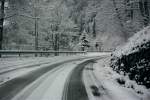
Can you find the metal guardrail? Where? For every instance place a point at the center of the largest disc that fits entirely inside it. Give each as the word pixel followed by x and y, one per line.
pixel 22 52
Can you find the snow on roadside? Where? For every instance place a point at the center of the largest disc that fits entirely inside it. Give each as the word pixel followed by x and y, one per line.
pixel 98 53
pixel 14 74
pixel 94 89
pixel 119 87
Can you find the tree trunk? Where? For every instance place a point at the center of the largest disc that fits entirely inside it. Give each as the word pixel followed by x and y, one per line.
pixel 144 8
pixel 1 22
pixel 94 28
pixel 124 33
pixel 56 44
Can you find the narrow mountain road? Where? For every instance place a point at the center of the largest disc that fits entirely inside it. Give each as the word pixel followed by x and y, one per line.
pixel 74 89
pixel 60 81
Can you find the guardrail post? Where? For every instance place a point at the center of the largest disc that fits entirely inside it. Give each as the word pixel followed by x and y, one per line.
pixel 35 54
pixel 40 54
pixel 19 54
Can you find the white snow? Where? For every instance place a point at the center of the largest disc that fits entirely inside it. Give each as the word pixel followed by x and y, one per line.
pixel 50 86
pixel 89 80
pixel 14 74
pixel 18 62
pixel 55 91
pixel 13 63
pixel 98 53
pixel 139 38
pixel 9 64
pixel 107 79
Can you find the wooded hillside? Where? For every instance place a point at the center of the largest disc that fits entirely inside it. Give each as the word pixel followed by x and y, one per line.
pixel 108 23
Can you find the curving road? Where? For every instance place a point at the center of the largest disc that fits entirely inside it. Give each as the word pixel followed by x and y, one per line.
pixel 60 81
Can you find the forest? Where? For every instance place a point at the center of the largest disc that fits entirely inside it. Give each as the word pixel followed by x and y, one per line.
pixel 74 49
pixel 64 24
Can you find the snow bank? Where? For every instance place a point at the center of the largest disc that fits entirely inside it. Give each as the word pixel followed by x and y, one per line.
pixel 117 86
pixel 98 53
pixel 134 42
pixel 133 58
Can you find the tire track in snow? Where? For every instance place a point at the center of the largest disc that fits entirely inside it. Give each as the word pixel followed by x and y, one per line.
pixel 94 88
pixel 14 86
pixel 74 88
pixel 27 91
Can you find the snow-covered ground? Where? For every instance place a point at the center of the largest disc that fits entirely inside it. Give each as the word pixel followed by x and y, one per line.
pixel 132 58
pixel 110 85
pixel 138 39
pixel 50 86
pixel 98 53
pixel 101 82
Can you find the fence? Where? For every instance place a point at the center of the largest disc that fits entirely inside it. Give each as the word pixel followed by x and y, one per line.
pixel 39 53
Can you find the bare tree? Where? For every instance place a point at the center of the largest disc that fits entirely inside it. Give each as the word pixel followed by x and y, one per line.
pixel 144 8
pixel 2 2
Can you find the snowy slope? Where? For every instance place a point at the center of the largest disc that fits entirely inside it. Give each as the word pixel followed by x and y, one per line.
pixel 133 58
pixel 137 40
pixel 114 86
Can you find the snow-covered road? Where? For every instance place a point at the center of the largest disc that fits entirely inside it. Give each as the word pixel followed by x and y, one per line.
pixel 39 82
pixel 77 78
pixel 49 86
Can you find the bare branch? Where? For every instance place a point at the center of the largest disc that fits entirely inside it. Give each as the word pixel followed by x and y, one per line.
pixel 29 16
pixel 10 16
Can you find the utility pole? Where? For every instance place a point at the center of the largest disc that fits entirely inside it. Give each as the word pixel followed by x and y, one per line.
pixel 56 44
pixel 36 4
pixel 2 7
pixel 36 23
pixel 36 33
